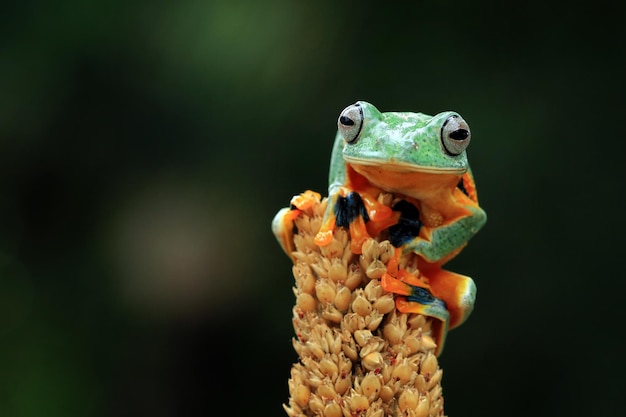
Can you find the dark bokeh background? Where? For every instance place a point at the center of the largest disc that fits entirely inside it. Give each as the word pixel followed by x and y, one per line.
pixel 144 149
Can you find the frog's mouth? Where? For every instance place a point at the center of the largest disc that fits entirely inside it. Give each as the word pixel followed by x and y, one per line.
pixel 398 166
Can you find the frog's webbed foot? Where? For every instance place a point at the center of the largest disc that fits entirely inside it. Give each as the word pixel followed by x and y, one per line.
pixel 456 290
pixel 350 209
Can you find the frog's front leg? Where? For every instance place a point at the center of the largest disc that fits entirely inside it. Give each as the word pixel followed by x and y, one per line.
pixel 448 239
pixel 349 205
pixel 350 209
pixel 439 243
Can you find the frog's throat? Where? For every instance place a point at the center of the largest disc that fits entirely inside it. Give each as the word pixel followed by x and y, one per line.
pixel 400 166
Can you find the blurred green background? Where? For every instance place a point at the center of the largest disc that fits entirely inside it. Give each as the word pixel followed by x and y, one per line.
pixel 145 147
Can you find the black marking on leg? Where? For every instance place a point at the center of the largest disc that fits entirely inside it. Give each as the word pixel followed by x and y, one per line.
pixel 341 212
pixel 408 226
pixel 461 186
pixel 424 296
pixel 349 208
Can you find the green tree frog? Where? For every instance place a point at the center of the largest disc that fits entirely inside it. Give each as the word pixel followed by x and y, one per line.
pixel 422 161
pixel 414 155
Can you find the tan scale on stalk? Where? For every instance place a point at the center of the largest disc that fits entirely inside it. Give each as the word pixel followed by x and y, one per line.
pixel 359 356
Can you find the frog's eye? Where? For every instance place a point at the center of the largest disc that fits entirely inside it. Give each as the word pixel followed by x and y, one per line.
pixel 350 122
pixel 455 135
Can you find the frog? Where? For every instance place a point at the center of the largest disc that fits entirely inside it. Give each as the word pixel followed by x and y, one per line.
pixel 415 155
pixel 422 161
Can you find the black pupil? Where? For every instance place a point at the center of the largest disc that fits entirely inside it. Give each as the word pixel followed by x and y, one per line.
pixel 459 134
pixel 346 121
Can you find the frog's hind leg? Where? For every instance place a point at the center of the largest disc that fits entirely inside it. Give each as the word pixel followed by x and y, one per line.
pixel 283 228
pixel 456 290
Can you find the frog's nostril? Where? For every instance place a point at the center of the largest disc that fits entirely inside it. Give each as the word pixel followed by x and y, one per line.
pixel 459 134
pixel 346 121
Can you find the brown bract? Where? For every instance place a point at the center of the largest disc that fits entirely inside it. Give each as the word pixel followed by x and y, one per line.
pixel 359 356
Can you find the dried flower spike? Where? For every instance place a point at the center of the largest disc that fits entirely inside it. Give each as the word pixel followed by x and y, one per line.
pixel 359 356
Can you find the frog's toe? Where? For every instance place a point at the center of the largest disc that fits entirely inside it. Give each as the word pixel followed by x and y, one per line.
pixel 323 237
pixel 358 235
pixel 393 285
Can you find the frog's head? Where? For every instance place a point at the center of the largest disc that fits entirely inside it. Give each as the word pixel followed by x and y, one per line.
pixel 403 141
